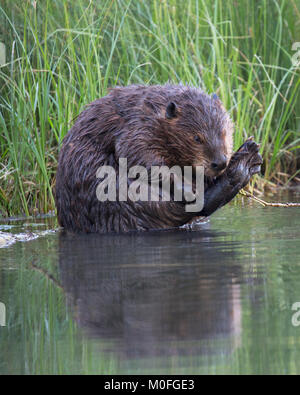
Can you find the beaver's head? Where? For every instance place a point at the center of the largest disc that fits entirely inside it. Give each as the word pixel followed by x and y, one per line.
pixel 199 131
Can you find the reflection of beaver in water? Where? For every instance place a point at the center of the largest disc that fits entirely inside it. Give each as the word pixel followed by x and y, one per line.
pixel 157 125
pixel 172 293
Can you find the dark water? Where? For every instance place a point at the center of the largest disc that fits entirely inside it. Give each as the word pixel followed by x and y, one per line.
pixel 215 299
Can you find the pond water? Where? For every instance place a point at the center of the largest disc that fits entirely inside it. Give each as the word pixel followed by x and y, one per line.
pixel 217 298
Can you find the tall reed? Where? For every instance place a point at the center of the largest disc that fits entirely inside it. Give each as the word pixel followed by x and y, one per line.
pixel 63 54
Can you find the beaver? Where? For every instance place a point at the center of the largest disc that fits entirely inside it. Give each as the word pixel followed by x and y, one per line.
pixel 169 125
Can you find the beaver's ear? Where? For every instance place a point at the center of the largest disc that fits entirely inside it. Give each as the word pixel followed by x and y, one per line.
pixel 171 110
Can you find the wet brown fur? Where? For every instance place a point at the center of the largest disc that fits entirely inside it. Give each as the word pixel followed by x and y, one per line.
pixel 131 122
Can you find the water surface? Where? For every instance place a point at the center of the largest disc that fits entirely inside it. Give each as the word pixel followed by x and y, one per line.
pixel 214 299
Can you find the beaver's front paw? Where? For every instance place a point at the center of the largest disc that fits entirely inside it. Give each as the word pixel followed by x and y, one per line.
pixel 244 163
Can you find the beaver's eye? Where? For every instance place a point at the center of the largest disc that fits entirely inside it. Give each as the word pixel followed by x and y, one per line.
pixel 197 138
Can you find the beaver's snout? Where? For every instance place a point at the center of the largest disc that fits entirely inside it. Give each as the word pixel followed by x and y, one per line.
pixel 219 164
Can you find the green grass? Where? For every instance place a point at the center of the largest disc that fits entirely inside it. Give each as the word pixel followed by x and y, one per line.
pixel 63 54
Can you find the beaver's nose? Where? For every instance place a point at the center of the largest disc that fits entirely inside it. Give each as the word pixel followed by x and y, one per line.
pixel 219 165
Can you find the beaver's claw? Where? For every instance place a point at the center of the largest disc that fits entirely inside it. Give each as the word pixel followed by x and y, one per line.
pixel 245 162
